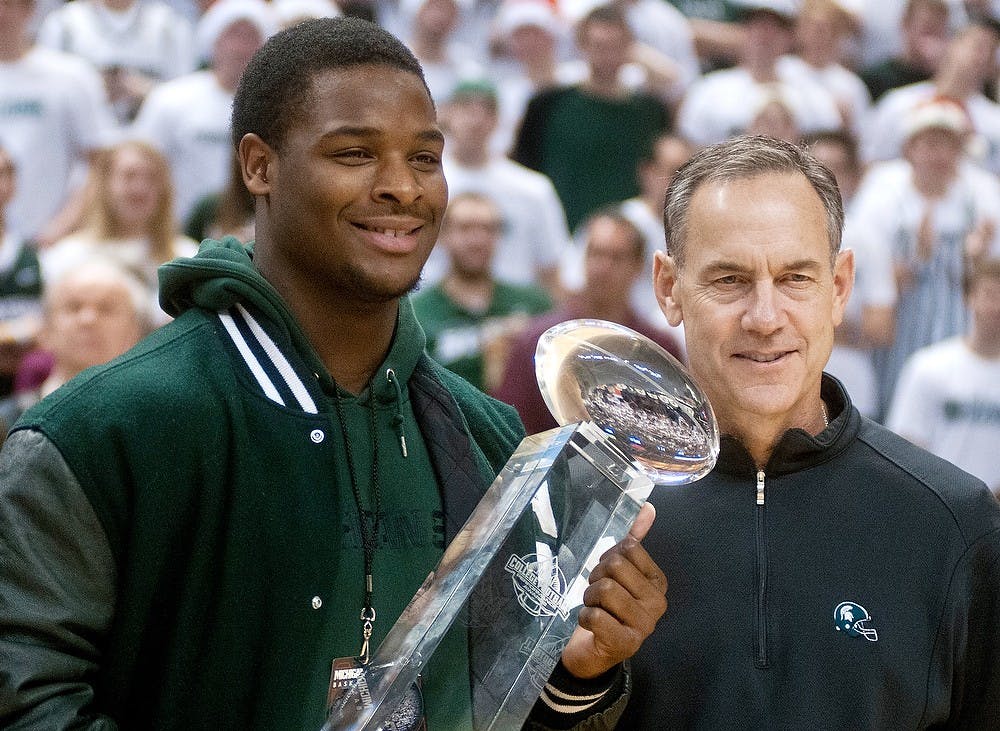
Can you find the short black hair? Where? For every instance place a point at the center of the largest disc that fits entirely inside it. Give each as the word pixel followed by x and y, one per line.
pixel 275 90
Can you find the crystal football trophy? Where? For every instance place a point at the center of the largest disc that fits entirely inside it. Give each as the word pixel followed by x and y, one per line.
pixel 512 581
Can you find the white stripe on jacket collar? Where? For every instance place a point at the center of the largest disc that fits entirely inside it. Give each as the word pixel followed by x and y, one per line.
pixel 277 359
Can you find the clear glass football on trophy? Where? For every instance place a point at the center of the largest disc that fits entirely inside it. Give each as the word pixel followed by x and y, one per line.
pixel 511 583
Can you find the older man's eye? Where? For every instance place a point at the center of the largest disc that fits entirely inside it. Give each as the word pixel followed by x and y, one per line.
pixel 798 278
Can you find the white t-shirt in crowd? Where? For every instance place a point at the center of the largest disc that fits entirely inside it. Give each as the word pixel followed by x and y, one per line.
pixel 188 120
pixel 53 112
pixel 664 27
pixel 150 36
pixel 535 232
pixel 721 105
pixel 846 87
pixel 948 401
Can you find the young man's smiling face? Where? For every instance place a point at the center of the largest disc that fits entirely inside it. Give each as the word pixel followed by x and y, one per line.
pixel 355 194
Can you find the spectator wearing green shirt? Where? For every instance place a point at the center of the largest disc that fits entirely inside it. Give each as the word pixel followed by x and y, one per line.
pixel 469 316
pixel 589 138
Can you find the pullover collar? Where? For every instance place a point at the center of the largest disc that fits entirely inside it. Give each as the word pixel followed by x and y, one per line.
pixel 797 449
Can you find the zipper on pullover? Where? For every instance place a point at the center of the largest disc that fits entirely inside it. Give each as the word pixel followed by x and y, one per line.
pixel 760 655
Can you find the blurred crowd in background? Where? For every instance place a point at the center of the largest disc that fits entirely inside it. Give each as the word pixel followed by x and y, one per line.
pixel 565 121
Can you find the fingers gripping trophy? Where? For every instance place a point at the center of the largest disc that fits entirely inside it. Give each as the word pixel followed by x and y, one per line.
pixel 512 582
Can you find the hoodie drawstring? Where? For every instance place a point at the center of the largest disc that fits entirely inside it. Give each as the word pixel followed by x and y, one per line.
pixel 397 420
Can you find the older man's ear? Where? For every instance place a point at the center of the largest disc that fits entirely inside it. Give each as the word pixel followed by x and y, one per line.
pixel 664 284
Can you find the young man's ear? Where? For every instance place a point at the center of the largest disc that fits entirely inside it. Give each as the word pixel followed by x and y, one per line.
pixel 665 286
pixel 255 159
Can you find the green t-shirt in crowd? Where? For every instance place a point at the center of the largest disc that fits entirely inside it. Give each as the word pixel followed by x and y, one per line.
pixel 456 336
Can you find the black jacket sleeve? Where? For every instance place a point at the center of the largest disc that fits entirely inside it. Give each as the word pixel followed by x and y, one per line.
pixel 57 588
pixel 581 705
pixel 968 645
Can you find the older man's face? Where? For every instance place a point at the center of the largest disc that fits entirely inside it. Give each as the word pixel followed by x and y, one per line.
pixel 758 296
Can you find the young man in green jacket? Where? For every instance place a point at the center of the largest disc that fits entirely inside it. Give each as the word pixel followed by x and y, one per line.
pixel 189 532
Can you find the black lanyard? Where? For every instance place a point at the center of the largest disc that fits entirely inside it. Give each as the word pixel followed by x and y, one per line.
pixel 368 527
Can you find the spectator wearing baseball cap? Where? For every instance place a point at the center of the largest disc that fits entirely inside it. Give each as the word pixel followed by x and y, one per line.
pixel 930 208
pixel 968 63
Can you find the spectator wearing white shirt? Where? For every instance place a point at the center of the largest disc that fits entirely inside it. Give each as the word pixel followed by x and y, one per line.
pixel 535 233
pixel 948 399
pixel 721 104
pixel 135 44
pixel 930 209
pixel 660 59
pixel 822 31
pixel 431 35
pixel 188 118
pixel 53 117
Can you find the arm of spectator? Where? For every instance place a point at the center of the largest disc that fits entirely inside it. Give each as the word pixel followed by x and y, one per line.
pixel 57 580
pixel 663 75
pixel 717 40
pixel 697 112
pixel 878 326
pixel 68 218
pixel 980 239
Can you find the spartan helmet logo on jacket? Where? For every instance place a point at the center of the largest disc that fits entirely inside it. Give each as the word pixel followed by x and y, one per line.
pixel 853 618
